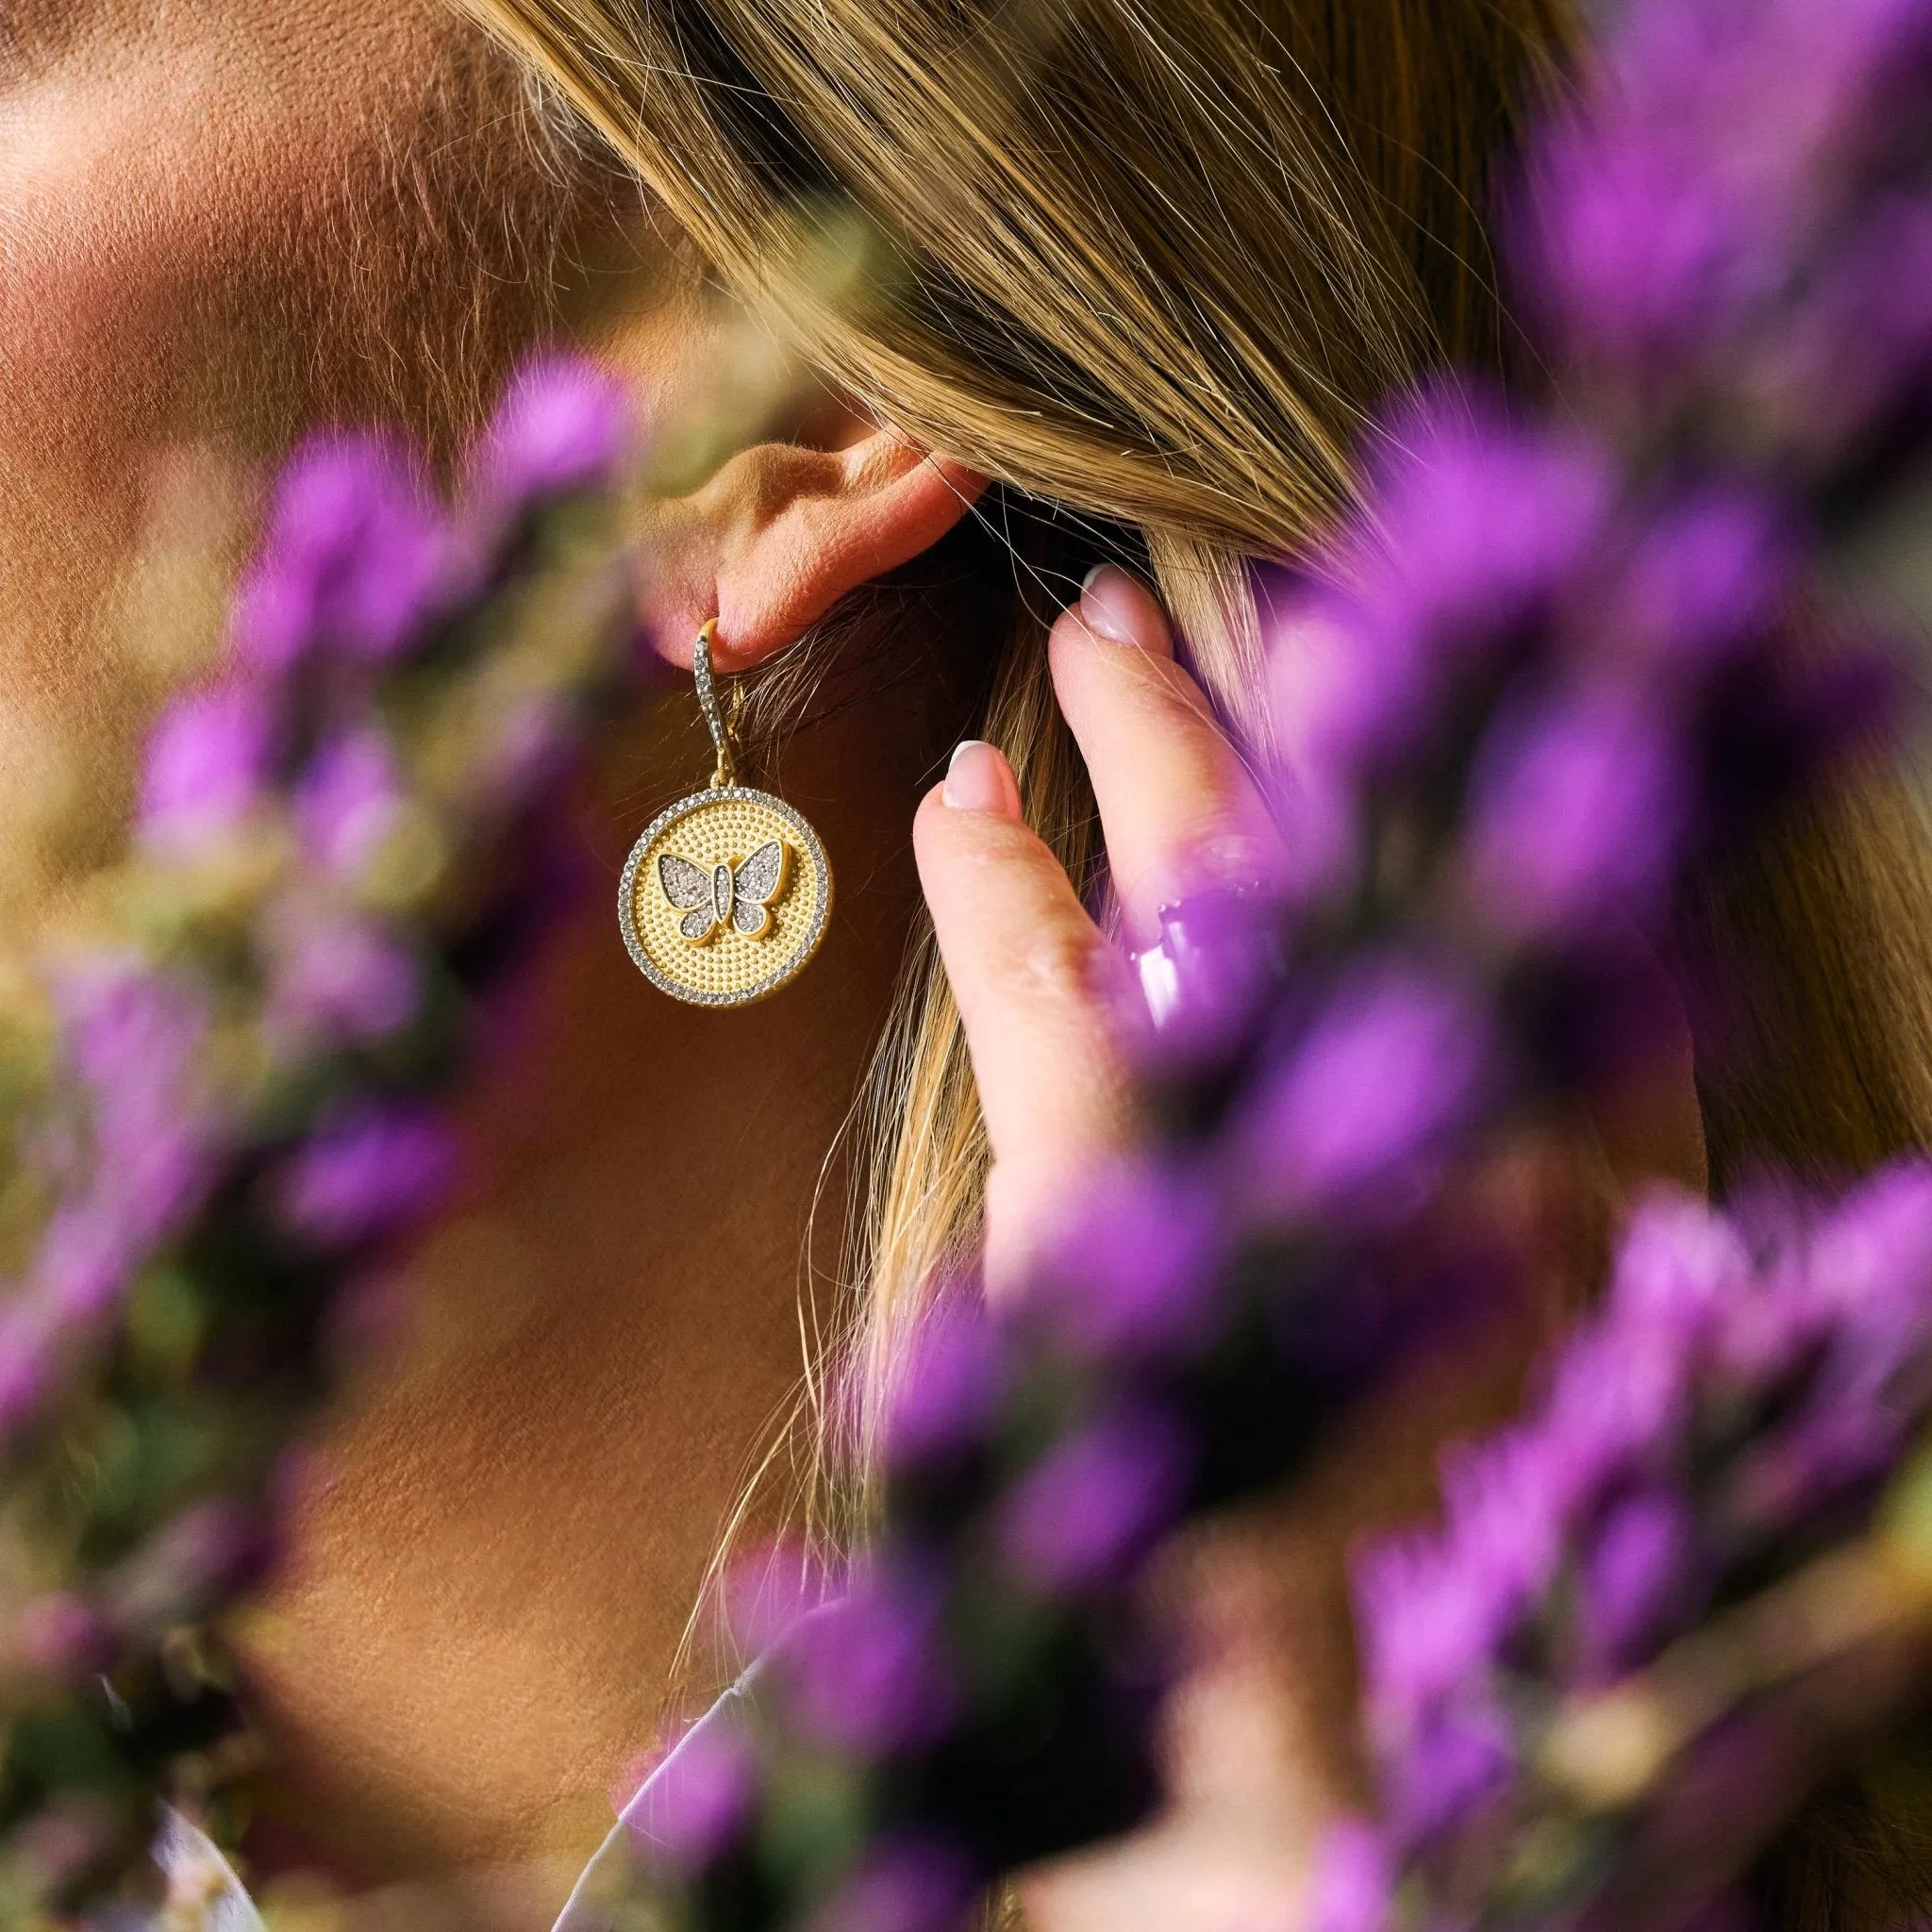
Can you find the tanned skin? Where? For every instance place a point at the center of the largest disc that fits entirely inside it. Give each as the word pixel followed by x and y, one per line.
pixel 225 221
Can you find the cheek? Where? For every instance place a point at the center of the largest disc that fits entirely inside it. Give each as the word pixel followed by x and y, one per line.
pixel 210 250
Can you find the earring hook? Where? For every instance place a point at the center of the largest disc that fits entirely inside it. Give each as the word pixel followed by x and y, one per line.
pixel 726 772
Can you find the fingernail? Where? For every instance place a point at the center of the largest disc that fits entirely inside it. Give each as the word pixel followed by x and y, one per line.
pixel 979 779
pixel 1115 606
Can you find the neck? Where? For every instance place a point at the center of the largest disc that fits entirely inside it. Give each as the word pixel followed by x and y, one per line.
pixel 520 1501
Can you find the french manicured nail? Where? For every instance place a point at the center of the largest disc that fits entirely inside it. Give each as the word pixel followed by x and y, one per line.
pixel 980 779
pixel 1115 606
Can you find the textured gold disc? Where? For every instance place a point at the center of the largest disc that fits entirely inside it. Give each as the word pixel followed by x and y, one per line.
pixel 710 913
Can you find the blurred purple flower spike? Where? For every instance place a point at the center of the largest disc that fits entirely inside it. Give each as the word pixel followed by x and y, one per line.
pixel 133 1038
pixel 27 1363
pixel 701 1798
pixel 1136 1271
pixel 865 1675
pixel 1617 1406
pixel 1505 1505
pixel 347 801
pixel 85 1261
pixel 1680 1265
pixel 207 758
pixel 1704 581
pixel 1456 1767
pixel 909 1883
pixel 1639 1576
pixel 209 1551
pixel 1677 218
pixel 949 1389
pixel 1094 1503
pixel 770 1591
pixel 1395 1060
pixel 1477 527
pixel 1578 1544
pixel 1647 267
pixel 357 558
pixel 64 1637
pixel 336 978
pixel 1871 1259
pixel 562 426
pixel 1484 522
pixel 1429 1621
pixel 1858 357
pixel 366 1175
pixel 1581 807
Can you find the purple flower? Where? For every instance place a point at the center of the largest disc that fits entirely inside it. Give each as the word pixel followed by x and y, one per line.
pixel 365 1173
pixel 1833 1453
pixel 27 1362
pixel 906 1883
pixel 564 425
pixel 1580 809
pixel 1476 528
pixel 1456 1768
pixel 1508 1503
pixel 1395 1061
pixel 1352 1887
pixel 700 1799
pixel 347 801
pixel 88 1256
pixel 126 1026
pixel 336 979
pixel 210 1551
pixel 531 747
pixel 134 1039
pixel 207 758
pixel 1430 1623
pixel 1641 264
pixel 1096 1500
pixel 1871 1257
pixel 1587 1537
pixel 865 1675
pixel 1679 1266
pixel 64 1637
pixel 1618 1407
pixel 1700 586
pixel 1859 348
pixel 1136 1271
pixel 355 557
pixel 1218 958
pixel 948 1390
pixel 1637 1580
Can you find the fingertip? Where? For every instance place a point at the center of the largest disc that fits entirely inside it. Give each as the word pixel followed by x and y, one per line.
pixel 1118 609
pixel 980 779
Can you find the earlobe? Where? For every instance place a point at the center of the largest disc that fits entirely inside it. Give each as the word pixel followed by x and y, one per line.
pixel 783 531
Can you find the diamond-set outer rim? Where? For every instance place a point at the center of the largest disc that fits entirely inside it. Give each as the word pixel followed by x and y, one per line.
pixel 807 946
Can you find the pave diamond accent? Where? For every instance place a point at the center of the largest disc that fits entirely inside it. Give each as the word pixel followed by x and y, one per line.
pixel 725 825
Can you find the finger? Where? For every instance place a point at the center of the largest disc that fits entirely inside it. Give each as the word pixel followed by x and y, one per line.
pixel 1179 808
pixel 1039 988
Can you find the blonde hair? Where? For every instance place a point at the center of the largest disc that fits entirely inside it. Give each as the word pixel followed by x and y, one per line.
pixel 1154 261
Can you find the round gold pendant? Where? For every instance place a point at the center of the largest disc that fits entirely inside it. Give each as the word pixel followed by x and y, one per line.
pixel 725 897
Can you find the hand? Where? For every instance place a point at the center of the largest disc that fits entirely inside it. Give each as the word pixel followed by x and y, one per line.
pixel 1047 999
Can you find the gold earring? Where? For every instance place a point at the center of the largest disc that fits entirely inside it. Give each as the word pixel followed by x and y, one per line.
pixel 728 895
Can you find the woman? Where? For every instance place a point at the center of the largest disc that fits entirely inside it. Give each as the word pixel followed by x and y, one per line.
pixel 1079 284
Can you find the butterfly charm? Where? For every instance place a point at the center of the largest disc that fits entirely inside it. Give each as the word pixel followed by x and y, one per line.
pixel 734 897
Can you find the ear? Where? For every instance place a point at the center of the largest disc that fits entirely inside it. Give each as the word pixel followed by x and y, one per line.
pixel 785 529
